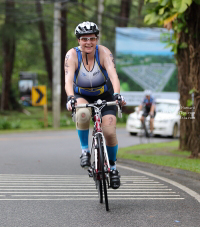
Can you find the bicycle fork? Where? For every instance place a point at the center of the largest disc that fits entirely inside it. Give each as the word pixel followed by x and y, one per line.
pixel 95 150
pixel 104 151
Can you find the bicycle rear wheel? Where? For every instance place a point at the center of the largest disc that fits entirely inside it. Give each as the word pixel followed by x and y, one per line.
pixel 101 162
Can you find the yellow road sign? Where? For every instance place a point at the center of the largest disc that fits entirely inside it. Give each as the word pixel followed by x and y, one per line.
pixel 39 96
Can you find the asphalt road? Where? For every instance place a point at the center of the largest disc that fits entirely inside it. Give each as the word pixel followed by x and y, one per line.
pixel 42 184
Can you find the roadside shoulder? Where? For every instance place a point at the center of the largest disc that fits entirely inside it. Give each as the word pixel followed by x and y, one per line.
pixel 184 177
pixel 165 169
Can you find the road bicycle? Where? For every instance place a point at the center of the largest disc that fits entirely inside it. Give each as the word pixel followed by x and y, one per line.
pixel 144 130
pixel 100 167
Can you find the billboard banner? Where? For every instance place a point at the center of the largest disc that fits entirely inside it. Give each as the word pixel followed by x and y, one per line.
pixel 144 63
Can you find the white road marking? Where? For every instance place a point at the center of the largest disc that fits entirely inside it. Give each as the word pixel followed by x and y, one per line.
pixel 141 184
pixel 92 195
pixel 62 187
pixel 85 186
pixel 145 186
pixel 69 185
pixel 61 177
pixel 14 176
pixel 83 189
pixel 64 181
pixel 2 185
pixel 78 199
pixel 88 192
pixel 180 186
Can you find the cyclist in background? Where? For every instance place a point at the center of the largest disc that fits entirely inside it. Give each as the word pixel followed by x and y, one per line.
pixel 90 75
pixel 149 109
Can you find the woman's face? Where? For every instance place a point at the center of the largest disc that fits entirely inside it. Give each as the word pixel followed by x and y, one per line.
pixel 88 43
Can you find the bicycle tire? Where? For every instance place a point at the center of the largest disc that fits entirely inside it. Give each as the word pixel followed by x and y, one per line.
pixel 101 162
pixel 145 129
pixel 100 190
pixel 97 179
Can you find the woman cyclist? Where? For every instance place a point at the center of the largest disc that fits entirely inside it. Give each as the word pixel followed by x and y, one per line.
pixel 90 75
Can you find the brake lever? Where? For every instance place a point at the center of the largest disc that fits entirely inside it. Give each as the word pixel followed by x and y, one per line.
pixel 73 110
pixel 119 110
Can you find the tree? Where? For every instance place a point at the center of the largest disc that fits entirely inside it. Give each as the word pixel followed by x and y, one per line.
pixel 184 18
pixel 46 51
pixel 9 47
pixel 63 51
pixel 141 4
pixel 125 12
pixel 193 22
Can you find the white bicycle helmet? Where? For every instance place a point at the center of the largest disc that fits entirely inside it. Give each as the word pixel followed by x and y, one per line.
pixel 85 28
pixel 147 92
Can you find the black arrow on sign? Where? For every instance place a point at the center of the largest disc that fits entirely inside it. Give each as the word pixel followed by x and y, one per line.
pixel 40 94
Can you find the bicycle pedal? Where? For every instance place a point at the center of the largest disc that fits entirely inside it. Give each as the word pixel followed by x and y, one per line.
pixel 90 174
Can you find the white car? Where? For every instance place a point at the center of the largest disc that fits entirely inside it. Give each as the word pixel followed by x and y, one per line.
pixel 166 121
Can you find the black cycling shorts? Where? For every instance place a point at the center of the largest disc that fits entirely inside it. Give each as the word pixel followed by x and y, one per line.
pixel 105 96
pixel 146 113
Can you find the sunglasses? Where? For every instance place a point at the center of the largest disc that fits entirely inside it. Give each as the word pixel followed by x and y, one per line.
pixel 85 39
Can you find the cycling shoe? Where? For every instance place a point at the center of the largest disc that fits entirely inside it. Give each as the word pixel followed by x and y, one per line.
pixel 114 179
pixel 85 160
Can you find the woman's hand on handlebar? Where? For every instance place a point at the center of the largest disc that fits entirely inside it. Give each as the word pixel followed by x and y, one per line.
pixel 119 99
pixel 71 102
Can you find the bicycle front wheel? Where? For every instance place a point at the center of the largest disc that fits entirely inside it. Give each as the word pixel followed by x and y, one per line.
pixel 145 129
pixel 100 190
pixel 101 162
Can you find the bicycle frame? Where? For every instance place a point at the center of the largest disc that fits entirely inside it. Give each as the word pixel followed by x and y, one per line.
pixel 97 130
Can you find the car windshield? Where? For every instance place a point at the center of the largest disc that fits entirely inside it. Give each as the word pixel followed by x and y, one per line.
pixel 166 107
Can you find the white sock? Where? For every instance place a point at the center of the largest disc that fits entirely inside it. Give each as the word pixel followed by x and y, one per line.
pixel 113 167
pixel 85 150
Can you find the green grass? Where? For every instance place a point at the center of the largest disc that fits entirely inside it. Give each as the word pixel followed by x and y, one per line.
pixel 164 154
pixel 33 119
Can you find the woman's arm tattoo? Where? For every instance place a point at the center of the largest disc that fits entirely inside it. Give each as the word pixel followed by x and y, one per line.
pixel 66 64
pixel 113 60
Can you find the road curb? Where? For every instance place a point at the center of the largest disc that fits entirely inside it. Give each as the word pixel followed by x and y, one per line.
pixel 165 169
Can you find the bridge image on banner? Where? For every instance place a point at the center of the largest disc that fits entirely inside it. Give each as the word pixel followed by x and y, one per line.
pixel 143 61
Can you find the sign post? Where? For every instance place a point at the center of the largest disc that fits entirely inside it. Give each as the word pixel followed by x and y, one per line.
pixel 39 98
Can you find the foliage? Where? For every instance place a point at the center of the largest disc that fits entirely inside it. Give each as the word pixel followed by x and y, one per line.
pixel 190 102
pixel 31 118
pixel 35 119
pixel 123 119
pixel 170 13
pixel 6 124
